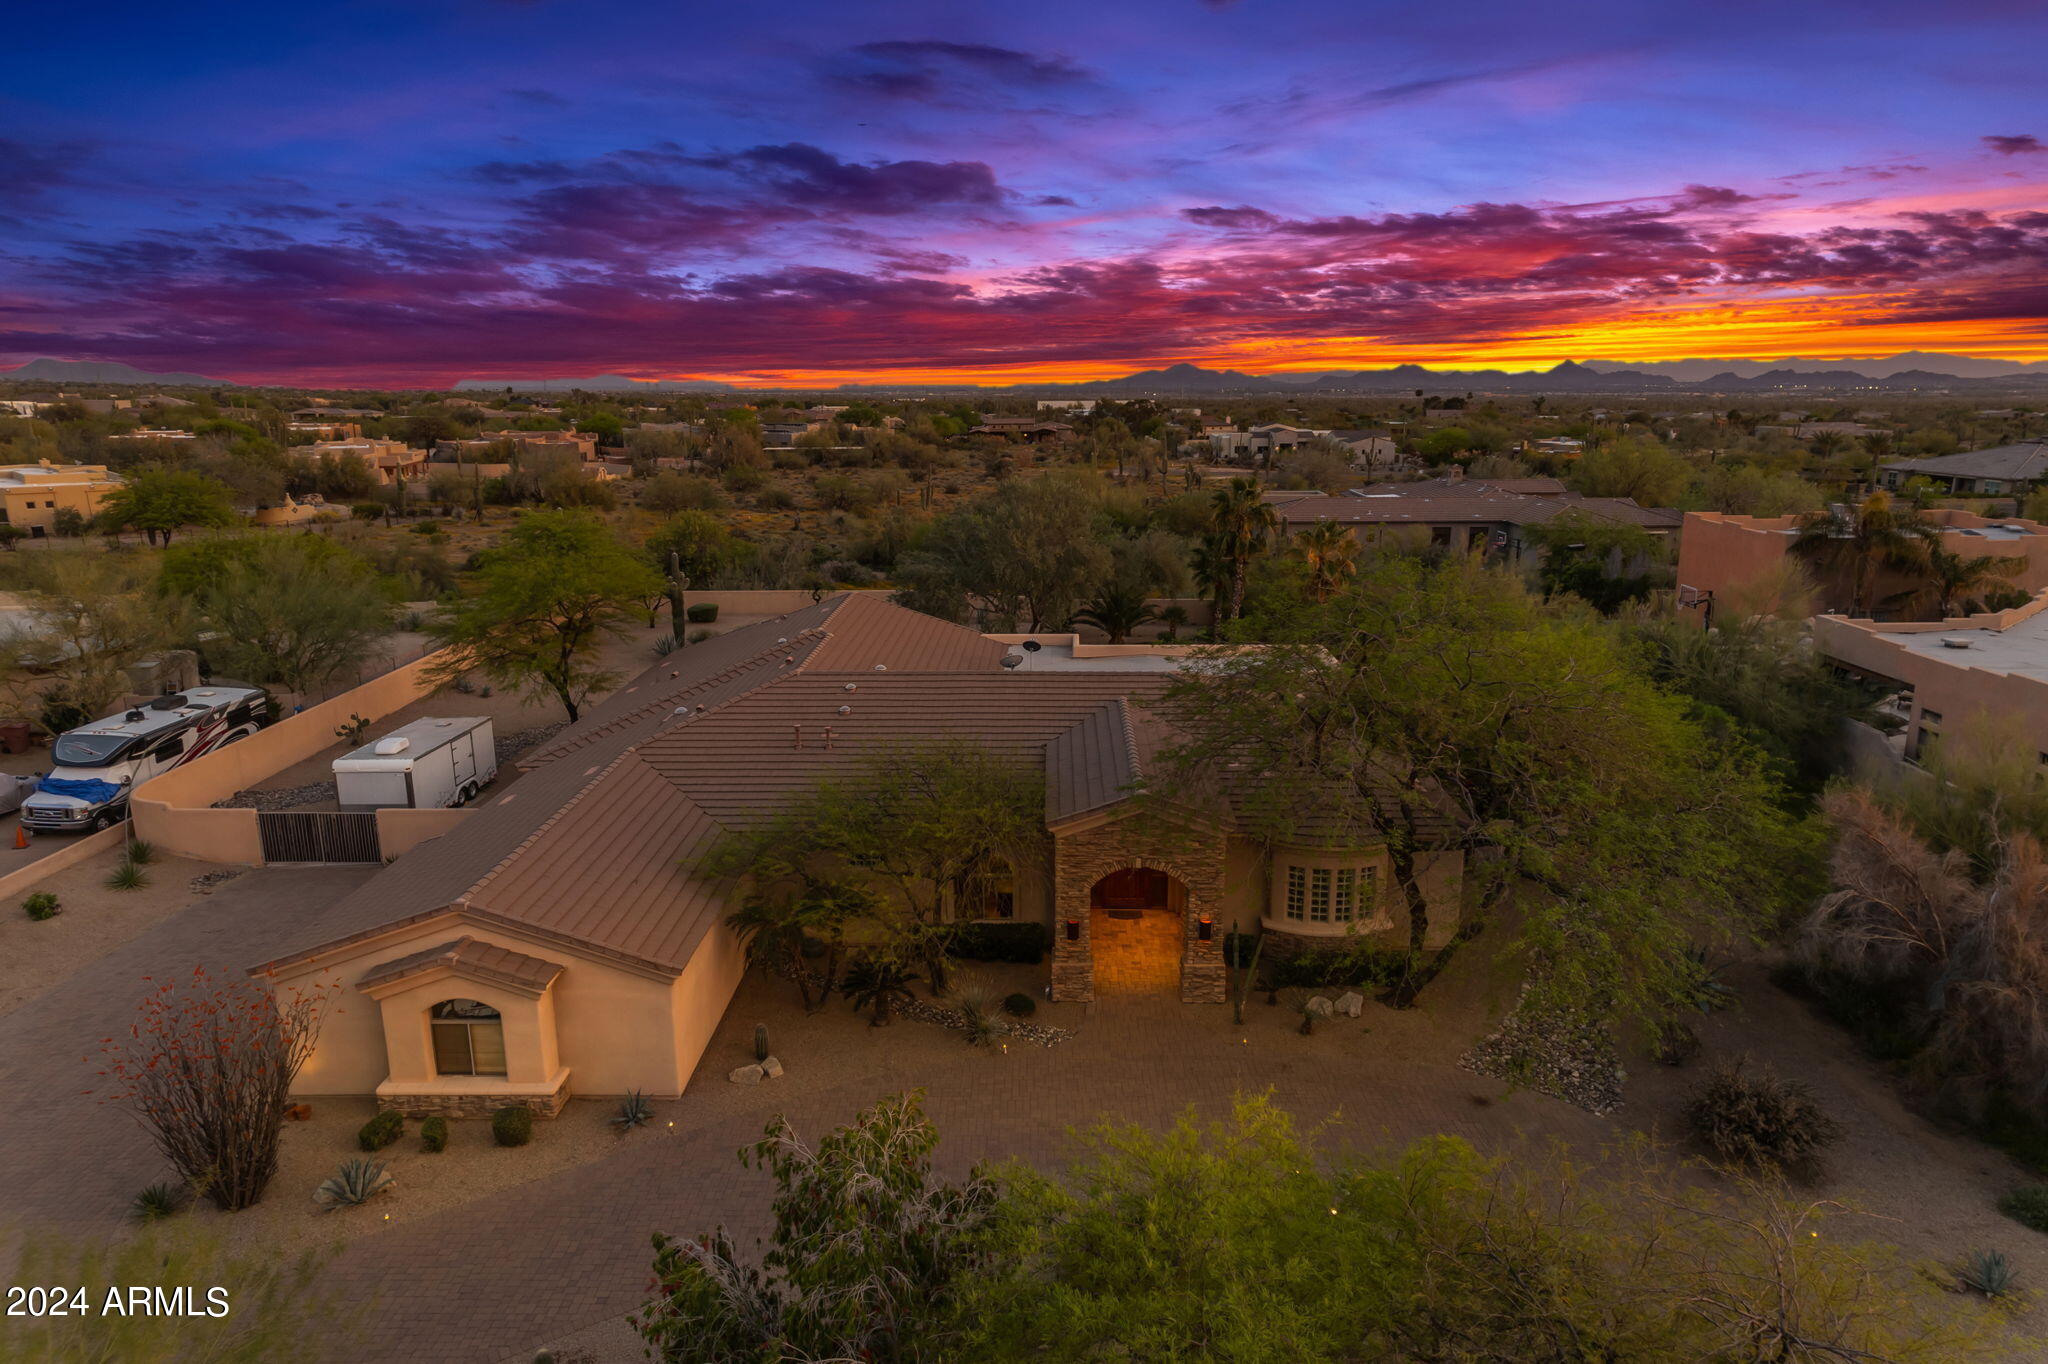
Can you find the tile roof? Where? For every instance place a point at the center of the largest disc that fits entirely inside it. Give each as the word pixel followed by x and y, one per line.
pixel 1489 508
pixel 2017 462
pixel 470 957
pixel 1463 487
pixel 1092 763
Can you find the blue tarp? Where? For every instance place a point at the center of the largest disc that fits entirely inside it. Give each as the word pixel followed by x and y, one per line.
pixel 91 790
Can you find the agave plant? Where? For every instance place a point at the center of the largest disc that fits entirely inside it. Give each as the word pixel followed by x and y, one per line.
pixel 1987 1272
pixel 634 1111
pixel 141 852
pixel 981 1010
pixel 159 1201
pixel 127 876
pixel 355 1183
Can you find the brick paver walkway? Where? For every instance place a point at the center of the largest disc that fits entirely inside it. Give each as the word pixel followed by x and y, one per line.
pixel 1136 955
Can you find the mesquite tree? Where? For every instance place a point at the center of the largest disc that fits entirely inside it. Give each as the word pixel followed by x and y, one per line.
pixel 207 1068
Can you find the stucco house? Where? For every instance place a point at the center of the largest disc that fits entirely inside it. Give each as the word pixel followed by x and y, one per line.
pixel 557 942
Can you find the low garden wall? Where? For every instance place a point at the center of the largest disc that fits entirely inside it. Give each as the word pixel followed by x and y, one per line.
pixel 19 882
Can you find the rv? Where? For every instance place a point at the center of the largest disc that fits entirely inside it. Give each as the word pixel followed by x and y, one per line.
pixel 95 767
pixel 425 765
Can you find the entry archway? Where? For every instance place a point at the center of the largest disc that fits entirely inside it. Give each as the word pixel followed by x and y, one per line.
pixel 1137 926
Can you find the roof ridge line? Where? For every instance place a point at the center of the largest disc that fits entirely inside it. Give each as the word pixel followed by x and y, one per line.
pixel 1123 715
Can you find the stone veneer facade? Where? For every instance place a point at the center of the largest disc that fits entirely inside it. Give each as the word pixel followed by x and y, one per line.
pixel 1084 856
pixel 478 1105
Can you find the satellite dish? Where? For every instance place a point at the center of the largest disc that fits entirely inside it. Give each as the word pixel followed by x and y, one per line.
pixel 1012 661
pixel 1032 646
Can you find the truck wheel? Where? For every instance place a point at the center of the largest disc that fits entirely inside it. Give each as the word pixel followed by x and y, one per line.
pixel 467 794
pixel 102 820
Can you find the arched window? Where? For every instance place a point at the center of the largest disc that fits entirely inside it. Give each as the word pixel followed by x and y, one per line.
pixel 469 1038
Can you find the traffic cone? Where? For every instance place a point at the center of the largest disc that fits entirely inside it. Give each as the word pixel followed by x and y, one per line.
pixel 20 837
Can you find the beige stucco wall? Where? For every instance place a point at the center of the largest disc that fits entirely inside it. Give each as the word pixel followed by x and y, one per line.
pixel 1954 686
pixel 615 1028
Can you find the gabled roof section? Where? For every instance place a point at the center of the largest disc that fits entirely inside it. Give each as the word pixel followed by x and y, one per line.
pixel 1092 763
pixel 866 631
pixel 466 956
pixel 2027 460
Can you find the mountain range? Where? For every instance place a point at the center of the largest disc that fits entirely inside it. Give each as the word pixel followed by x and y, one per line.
pixel 95 372
pixel 1874 367
pixel 1572 377
pixel 596 383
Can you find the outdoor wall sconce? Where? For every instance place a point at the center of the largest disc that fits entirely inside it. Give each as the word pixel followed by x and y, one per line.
pixel 1073 930
pixel 1205 928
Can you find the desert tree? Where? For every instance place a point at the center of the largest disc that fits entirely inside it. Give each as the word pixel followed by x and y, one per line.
pixel 206 1067
pixel 550 593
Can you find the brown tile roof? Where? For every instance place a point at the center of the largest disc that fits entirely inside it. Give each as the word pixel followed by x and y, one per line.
pixel 1464 487
pixel 1092 763
pixel 865 631
pixel 470 957
pixel 741 763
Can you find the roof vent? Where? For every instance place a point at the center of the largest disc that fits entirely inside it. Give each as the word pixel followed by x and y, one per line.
pixel 397 743
pixel 1032 646
pixel 881 667
pixel 171 702
pixel 783 640
pixel 134 715
pixel 849 686
pixel 1954 642
pixel 1012 661
pixel 846 710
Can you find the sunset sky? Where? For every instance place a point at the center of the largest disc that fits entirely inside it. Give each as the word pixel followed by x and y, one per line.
pixel 417 191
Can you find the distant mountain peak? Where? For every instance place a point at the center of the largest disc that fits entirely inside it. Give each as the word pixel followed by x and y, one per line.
pixel 49 371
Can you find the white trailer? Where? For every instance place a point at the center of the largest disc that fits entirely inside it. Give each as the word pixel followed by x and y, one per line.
pixel 424 765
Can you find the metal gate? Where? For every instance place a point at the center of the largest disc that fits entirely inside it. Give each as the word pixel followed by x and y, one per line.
pixel 318 836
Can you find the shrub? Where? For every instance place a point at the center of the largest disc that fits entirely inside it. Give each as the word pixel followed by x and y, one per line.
pixel 664 645
pixel 701 613
pixel 634 1111
pixel 41 905
pixel 159 1201
pixel 1001 940
pixel 380 1131
pixel 354 1184
pixel 127 876
pixel 512 1126
pixel 699 636
pixel 1760 1120
pixel 1987 1272
pixel 1020 1005
pixel 366 511
pixel 1323 968
pixel 434 1134
pixel 980 1010
pixel 1238 949
pixel 2027 1205
pixel 141 852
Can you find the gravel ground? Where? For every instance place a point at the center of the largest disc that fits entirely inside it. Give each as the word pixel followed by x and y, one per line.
pixel 1576 1062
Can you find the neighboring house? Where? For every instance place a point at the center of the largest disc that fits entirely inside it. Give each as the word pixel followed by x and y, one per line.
pixel 298 511
pixel 575 444
pixel 1808 430
pixel 1081 405
pixel 558 941
pixel 389 460
pixel 31 495
pixel 323 413
pixel 334 430
pixel 1563 447
pixel 1465 516
pixel 1261 443
pixel 1944 673
pixel 2001 469
pixel 1718 552
pixel 782 435
pixel 1373 450
pixel 152 433
pixel 1021 428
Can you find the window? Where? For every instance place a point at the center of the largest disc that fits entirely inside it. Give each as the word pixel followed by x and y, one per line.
pixel 1930 717
pixel 469 1038
pixel 1333 893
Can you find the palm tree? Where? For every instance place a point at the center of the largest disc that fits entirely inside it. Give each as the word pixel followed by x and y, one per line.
pixel 1878 445
pixel 1862 540
pixel 1330 551
pixel 1956 582
pixel 1241 523
pixel 1116 610
pixel 879 984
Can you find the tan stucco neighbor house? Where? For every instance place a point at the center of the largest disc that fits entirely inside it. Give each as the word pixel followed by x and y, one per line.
pixel 557 943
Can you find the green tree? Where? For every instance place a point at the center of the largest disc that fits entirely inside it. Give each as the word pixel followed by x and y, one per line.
pixel 866 1247
pixel 292 611
pixel 1438 708
pixel 1857 543
pixel 159 502
pixel 779 918
pixel 89 618
pixel 929 822
pixel 1025 555
pixel 1634 468
pixel 548 595
pixel 1959 584
pixel 703 545
pixel 1606 563
pixel 1328 550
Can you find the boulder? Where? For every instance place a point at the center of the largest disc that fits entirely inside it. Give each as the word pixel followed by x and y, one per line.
pixel 1351 1004
pixel 771 1068
pixel 747 1075
pixel 1321 1006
